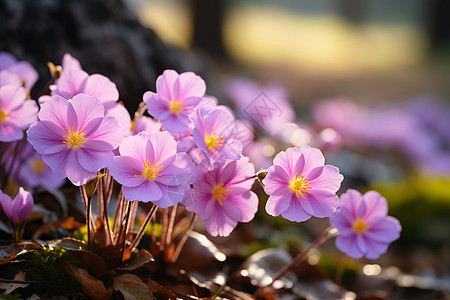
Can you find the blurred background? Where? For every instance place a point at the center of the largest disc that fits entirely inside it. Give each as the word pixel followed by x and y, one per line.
pixel 368 50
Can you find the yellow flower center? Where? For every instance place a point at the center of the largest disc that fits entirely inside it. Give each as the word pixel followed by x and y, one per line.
pixel 359 226
pixel 299 185
pixel 174 106
pixel 74 139
pixel 218 193
pixel 38 166
pixel 3 116
pixel 150 171
pixel 214 141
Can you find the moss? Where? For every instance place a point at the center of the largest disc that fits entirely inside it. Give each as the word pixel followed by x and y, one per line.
pixel 49 267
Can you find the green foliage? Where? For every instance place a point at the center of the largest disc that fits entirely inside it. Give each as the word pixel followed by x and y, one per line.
pixel 14 296
pixel 81 234
pixel 345 267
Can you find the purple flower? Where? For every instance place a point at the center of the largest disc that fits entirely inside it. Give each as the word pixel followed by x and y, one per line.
pixel 214 133
pixel 74 81
pixel 300 186
pixel 221 195
pixel 75 137
pixel 70 63
pixel 150 169
pixel 176 96
pixel 20 208
pixel 363 224
pixel 16 114
pixel 24 70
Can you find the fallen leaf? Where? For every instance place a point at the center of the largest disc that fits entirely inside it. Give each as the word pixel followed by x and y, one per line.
pixel 132 287
pixel 9 252
pixel 93 287
pixel 93 263
pixel 10 287
pixel 159 291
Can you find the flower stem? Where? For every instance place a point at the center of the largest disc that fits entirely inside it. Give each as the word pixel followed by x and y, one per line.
pixel 17 230
pixel 183 239
pixel 173 214
pixel 326 234
pixel 87 204
pixel 143 228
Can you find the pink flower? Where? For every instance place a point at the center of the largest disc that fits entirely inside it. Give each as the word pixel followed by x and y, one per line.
pixel 300 186
pixel 363 224
pixel 150 169
pixel 176 96
pixel 24 70
pixel 20 208
pixel 214 133
pixel 34 172
pixel 221 195
pixel 74 137
pixel 16 114
pixel 74 81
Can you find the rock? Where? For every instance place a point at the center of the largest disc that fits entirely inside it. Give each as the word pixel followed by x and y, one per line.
pixel 104 35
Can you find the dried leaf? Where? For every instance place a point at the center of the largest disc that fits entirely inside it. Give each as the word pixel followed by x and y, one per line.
pixel 132 287
pixel 9 252
pixel 159 291
pixel 93 263
pixel 93 287
pixel 137 260
pixel 33 297
pixel 10 287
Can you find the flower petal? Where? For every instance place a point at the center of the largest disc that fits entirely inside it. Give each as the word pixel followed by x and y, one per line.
pixel 295 212
pixel 348 245
pixel 277 205
pixel 323 203
pixel 125 170
pixel 87 108
pixel 147 191
pixel 219 223
pixel 325 178
pixel 102 88
pixel 92 160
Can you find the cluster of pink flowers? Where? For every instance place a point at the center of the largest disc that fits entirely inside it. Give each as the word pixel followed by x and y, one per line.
pixel 188 153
